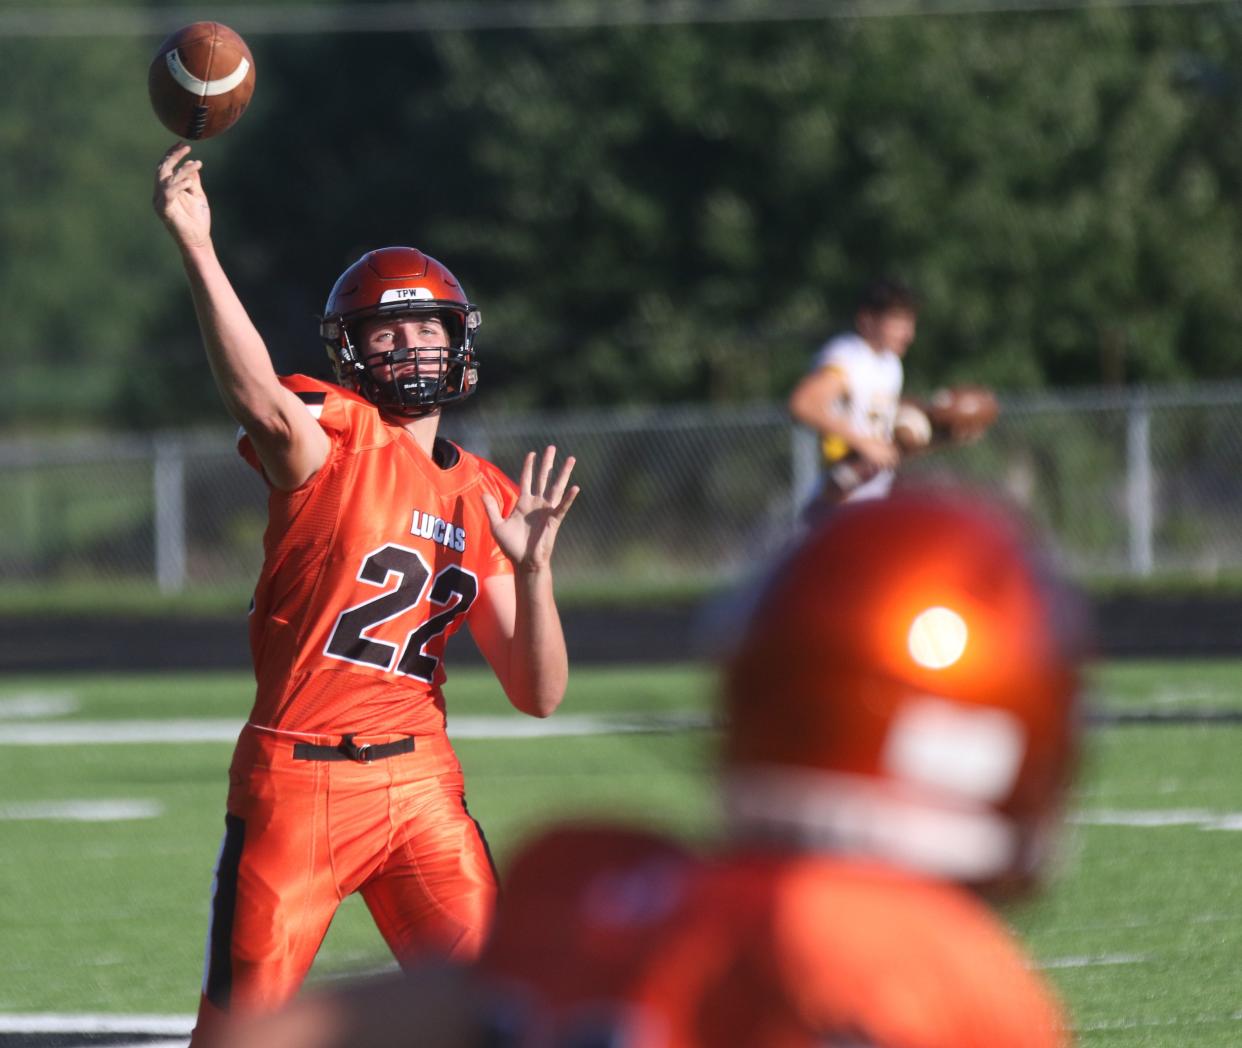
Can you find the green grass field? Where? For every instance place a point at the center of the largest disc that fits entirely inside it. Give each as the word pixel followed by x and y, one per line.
pixel 1141 930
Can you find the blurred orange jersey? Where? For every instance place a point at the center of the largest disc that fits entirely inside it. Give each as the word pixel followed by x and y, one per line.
pixel 583 914
pixel 368 568
pixel 755 950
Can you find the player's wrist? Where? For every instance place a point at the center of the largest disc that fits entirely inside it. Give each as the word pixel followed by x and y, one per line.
pixel 195 247
pixel 533 580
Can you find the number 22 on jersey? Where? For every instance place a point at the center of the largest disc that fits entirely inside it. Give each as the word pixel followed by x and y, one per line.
pixel 454 589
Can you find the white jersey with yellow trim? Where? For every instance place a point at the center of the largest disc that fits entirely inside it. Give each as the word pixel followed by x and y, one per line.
pixel 873 381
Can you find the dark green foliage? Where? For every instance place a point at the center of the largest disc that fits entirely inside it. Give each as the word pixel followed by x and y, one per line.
pixel 653 214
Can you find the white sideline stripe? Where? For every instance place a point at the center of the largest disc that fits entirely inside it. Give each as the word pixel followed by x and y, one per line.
pixel 485 727
pixel 1139 1024
pixel 180 1042
pixel 81 811
pixel 170 1024
pixel 38 704
pixel 79 733
pixel 1160 817
pixel 93 733
pixel 1092 962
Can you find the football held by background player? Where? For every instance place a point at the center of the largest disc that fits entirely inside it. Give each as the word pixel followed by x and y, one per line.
pixel 382 539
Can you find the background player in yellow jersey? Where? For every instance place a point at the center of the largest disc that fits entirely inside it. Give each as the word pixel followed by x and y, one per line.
pixel 382 540
pixel 851 394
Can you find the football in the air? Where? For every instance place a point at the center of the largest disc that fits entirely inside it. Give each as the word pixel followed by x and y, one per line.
pixel 201 80
pixel 962 412
pixel 912 429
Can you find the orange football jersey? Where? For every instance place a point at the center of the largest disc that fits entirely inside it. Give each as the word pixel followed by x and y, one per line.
pixel 368 568
pixel 583 912
pixel 813 950
pixel 600 932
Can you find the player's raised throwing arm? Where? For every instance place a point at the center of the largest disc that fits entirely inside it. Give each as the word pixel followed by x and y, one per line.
pixel 288 440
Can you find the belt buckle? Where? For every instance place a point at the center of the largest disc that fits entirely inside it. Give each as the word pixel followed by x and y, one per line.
pixel 361 754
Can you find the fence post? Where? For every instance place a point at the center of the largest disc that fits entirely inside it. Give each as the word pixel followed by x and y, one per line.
pixel 804 453
pixel 1140 498
pixel 169 492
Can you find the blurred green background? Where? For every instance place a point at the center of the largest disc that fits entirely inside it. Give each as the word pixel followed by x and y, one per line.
pixel 652 202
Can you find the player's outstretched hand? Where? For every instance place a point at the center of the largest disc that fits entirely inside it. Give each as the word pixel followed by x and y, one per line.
pixel 179 198
pixel 528 534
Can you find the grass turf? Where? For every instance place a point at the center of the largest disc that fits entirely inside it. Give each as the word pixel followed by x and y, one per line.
pixel 1141 929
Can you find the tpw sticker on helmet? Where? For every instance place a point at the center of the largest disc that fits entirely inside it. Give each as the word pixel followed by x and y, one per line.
pixel 407 294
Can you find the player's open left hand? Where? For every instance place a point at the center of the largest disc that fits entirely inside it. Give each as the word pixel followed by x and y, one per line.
pixel 528 534
pixel 179 198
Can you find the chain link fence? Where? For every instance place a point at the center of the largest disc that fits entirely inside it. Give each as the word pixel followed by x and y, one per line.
pixel 1123 483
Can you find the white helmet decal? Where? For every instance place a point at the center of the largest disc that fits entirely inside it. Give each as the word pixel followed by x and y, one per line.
pixel 407 294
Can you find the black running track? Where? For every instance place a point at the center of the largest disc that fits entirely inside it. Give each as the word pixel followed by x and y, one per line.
pixel 1150 626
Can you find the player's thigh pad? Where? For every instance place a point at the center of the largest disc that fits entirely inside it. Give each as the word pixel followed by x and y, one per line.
pixel 283 889
pixel 436 892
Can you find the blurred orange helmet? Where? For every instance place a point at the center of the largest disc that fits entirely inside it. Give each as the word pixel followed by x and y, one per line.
pixel 398 281
pixel 907 688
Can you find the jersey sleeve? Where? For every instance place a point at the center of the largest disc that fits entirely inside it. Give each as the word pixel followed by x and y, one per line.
pixel 837 353
pixel 349 421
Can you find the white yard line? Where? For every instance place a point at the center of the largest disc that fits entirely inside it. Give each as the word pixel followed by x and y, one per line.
pixel 1199 818
pixel 94 733
pixel 81 811
pixel 174 1025
pixel 1142 1024
pixel 29 704
pixel 1099 960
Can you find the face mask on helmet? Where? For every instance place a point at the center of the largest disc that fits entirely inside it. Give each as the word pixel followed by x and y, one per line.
pixel 399 284
pixel 906 690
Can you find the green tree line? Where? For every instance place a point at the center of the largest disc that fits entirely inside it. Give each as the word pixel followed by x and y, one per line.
pixel 649 213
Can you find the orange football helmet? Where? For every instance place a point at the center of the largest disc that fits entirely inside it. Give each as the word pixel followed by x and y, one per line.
pixel 907 688
pixel 397 281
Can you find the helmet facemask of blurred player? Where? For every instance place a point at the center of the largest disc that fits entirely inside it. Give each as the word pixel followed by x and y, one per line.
pixel 906 691
pixel 398 285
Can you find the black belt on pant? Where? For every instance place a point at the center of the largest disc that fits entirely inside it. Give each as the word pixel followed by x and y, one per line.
pixel 348 751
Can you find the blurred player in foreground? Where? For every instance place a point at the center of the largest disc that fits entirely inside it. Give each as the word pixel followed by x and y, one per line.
pixel 901 724
pixel 382 540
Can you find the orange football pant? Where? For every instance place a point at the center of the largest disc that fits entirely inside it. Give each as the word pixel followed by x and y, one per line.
pixel 301 835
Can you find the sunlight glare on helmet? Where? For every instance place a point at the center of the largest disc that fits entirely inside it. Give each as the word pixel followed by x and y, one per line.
pixel 937 638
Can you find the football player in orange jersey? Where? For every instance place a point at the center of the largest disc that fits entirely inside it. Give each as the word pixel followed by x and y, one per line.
pixel 901 723
pixel 382 540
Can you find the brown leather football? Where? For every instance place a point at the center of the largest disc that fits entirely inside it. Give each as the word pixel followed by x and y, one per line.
pixel 962 412
pixel 912 429
pixel 201 80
